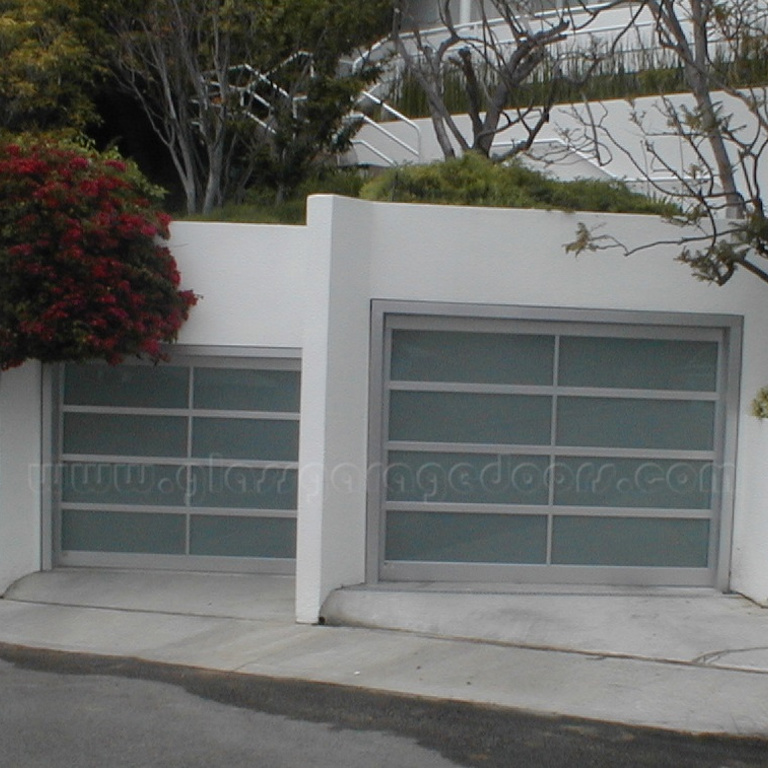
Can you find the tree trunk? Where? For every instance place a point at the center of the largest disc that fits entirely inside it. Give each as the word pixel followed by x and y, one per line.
pixel 212 196
pixel 443 139
pixel 696 74
pixel 696 64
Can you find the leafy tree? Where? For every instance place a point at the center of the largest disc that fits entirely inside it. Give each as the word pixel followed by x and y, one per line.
pixel 47 67
pixel 82 274
pixel 241 87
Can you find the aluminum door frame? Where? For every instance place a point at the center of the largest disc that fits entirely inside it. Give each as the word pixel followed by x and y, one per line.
pixel 440 315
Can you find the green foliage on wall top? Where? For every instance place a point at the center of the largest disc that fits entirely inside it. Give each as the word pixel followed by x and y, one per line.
pixel 474 180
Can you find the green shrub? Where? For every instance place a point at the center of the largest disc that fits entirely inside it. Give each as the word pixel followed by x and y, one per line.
pixel 335 181
pixel 475 180
pixel 626 74
pixel 260 206
pixel 469 180
pixel 760 404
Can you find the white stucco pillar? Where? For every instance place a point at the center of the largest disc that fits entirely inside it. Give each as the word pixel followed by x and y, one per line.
pixel 749 575
pixel 20 472
pixel 334 403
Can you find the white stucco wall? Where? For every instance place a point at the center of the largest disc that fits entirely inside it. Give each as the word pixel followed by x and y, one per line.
pixel 250 279
pixel 334 404
pixel 308 290
pixel 514 257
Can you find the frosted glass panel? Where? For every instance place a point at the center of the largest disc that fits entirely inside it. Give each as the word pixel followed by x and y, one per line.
pixel 246 390
pixel 630 542
pixel 638 363
pixel 458 417
pixel 245 439
pixel 243 536
pixel 147 533
pixel 137 484
pixel 651 483
pixel 136 386
pixel 468 478
pixel 244 487
pixel 458 356
pixel 629 423
pixel 439 537
pixel 122 435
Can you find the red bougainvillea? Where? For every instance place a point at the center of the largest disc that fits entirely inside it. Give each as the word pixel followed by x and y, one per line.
pixel 83 273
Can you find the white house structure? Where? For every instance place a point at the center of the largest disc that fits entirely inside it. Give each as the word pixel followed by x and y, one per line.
pixel 613 139
pixel 410 393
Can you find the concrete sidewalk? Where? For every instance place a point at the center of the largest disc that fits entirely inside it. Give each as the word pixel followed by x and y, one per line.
pixel 689 660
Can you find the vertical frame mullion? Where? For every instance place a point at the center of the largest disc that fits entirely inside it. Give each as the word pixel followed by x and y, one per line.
pixel 378 400
pixel 190 468
pixel 387 378
pixel 729 379
pixel 553 447
pixel 54 493
pixel 716 498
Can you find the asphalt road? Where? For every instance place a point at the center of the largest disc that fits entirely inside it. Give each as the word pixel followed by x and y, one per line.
pixel 76 711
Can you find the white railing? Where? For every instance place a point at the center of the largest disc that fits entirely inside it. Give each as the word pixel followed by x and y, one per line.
pixel 650 182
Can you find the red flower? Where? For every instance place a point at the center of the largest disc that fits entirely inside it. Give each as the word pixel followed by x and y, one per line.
pixel 89 188
pixel 81 272
pixel 23 249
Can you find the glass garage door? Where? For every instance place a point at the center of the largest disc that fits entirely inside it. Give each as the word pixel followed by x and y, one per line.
pixel 181 465
pixel 550 451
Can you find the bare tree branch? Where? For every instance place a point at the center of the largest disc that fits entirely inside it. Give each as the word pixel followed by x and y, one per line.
pixel 493 57
pixel 720 126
